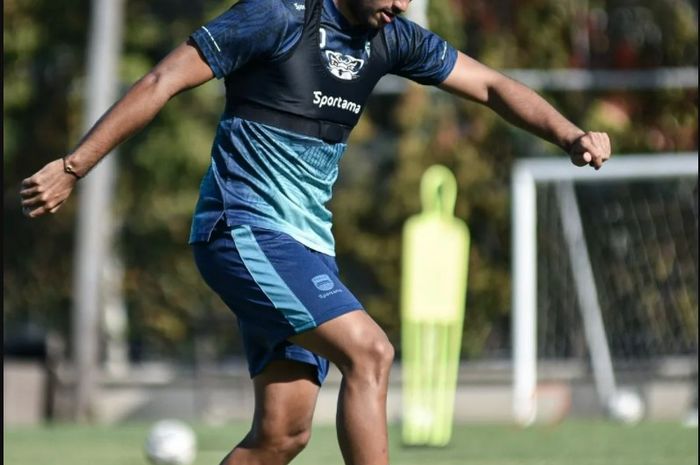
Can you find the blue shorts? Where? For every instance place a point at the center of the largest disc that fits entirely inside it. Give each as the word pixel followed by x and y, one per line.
pixel 276 287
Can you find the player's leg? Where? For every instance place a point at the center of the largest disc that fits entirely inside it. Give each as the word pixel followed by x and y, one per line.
pixel 278 287
pixel 285 397
pixel 285 388
pixel 362 352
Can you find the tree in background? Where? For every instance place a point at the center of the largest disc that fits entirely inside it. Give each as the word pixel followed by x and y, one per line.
pixel 43 63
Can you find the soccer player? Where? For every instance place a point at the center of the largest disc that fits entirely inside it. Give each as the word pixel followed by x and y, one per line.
pixel 297 75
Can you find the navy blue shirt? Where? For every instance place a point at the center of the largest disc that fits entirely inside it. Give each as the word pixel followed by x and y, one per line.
pixel 272 178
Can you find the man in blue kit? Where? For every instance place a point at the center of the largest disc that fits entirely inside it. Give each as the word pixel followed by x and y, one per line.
pixel 297 74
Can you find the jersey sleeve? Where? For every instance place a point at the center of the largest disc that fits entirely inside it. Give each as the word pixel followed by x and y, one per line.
pixel 418 54
pixel 250 29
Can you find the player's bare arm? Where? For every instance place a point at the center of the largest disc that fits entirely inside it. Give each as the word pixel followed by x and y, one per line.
pixel 524 108
pixel 46 190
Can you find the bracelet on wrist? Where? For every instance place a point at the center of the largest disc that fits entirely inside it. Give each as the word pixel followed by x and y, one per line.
pixel 69 169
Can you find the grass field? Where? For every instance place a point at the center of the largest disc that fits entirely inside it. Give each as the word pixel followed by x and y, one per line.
pixel 571 443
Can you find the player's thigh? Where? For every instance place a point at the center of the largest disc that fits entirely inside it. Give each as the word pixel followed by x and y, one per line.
pixel 285 398
pixel 345 338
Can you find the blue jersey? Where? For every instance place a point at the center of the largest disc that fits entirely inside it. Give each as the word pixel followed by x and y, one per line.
pixel 276 179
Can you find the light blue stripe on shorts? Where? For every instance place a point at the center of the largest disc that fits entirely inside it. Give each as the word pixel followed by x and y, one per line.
pixel 270 281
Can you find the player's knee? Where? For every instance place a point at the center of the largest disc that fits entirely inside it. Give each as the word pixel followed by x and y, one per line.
pixel 287 445
pixel 382 352
pixel 297 442
pixel 372 361
pixel 290 445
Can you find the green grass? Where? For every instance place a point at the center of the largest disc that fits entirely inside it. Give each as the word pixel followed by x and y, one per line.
pixel 571 443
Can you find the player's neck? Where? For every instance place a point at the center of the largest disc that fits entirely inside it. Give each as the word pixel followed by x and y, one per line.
pixel 342 7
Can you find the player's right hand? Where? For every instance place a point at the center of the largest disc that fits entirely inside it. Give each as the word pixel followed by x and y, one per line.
pixel 592 148
pixel 46 190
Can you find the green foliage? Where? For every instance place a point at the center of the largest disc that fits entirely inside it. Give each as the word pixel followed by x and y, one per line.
pixel 159 169
pixel 42 60
pixel 162 167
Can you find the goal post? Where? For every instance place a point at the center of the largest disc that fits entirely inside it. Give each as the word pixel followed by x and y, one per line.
pixel 527 176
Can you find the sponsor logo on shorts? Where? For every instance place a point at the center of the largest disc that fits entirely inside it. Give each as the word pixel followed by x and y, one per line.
pixel 323 282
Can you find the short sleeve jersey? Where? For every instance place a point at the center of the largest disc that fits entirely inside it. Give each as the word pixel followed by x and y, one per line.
pixel 276 179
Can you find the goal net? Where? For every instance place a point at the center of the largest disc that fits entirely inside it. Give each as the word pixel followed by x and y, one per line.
pixel 605 271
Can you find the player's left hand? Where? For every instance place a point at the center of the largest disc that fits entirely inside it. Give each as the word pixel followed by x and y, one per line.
pixel 46 190
pixel 592 148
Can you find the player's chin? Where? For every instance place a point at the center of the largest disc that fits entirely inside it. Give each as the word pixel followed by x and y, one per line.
pixel 374 23
pixel 378 21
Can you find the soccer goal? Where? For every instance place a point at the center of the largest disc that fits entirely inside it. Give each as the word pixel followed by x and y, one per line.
pixel 604 271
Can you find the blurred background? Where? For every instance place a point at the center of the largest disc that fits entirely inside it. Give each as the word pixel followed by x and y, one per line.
pixel 167 346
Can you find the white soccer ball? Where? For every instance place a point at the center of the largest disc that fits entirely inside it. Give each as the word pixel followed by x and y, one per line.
pixel 691 420
pixel 171 442
pixel 626 406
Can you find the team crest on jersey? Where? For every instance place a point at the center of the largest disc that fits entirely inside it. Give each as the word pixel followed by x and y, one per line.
pixel 342 65
pixel 345 67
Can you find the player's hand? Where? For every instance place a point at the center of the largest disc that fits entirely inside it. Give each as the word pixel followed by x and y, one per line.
pixel 592 148
pixel 46 190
